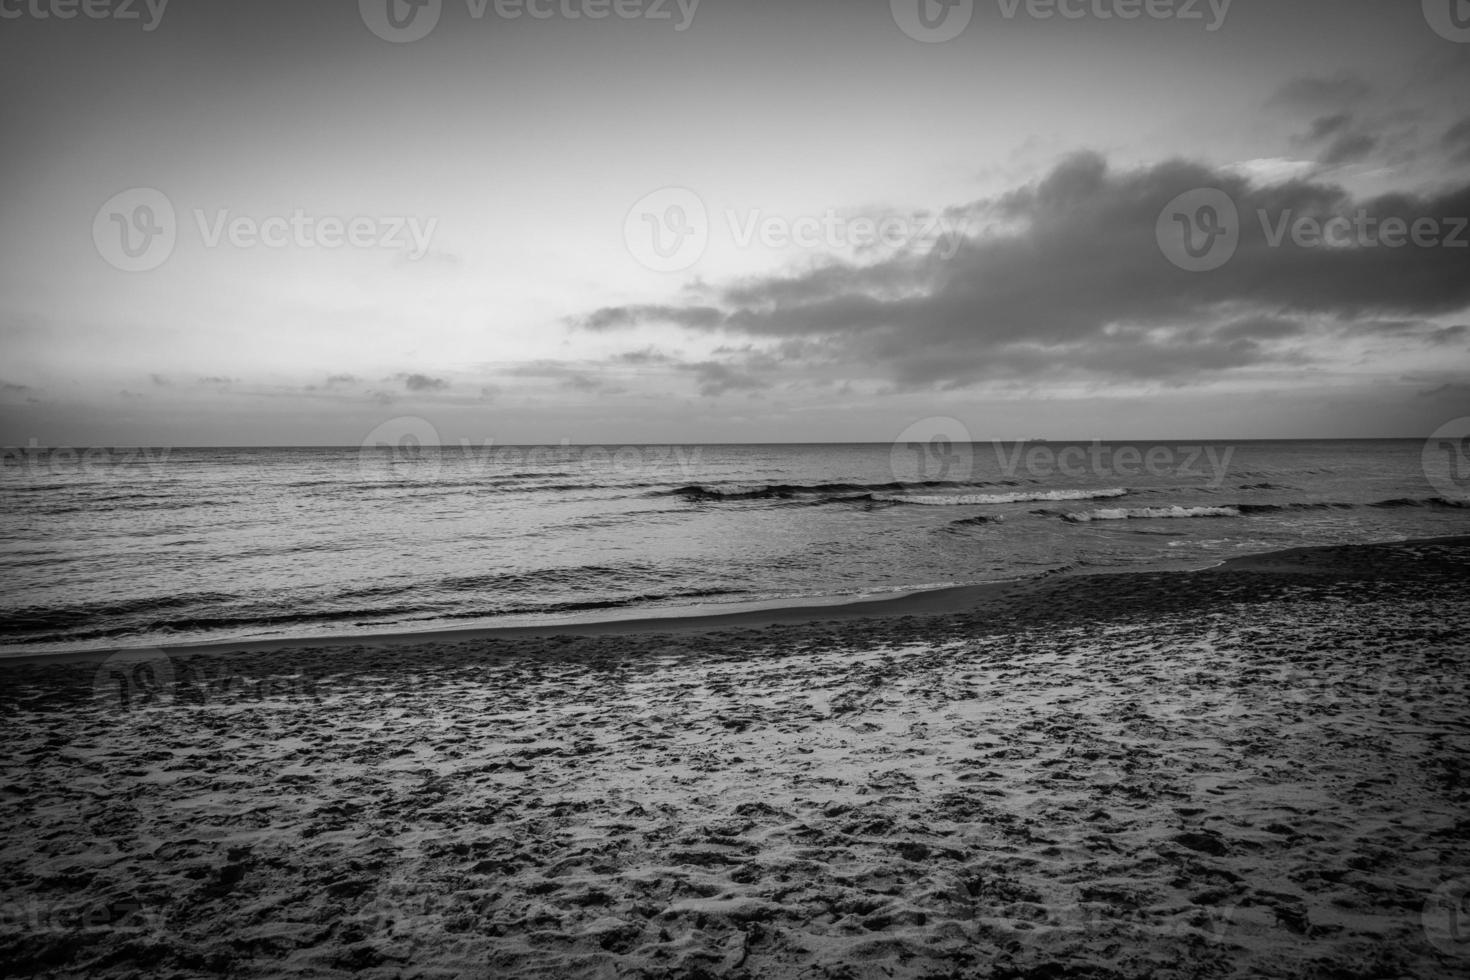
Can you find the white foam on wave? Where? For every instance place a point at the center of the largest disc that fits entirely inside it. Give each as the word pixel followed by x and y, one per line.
pixel 1150 513
pixel 973 499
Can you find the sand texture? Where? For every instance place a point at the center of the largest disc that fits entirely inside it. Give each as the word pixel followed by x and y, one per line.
pixel 1257 771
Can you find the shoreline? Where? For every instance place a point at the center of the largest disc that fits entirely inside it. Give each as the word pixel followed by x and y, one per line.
pixel 953 601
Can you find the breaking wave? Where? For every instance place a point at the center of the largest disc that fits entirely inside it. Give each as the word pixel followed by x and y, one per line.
pixel 1149 513
pixel 974 499
pixel 789 491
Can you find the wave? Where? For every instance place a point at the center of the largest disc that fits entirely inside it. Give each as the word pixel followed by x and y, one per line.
pixel 1025 496
pixel 1149 513
pixel 979 520
pixel 1279 508
pixel 29 619
pixel 1430 502
pixel 1249 510
pixel 378 617
pixel 592 604
pixel 788 491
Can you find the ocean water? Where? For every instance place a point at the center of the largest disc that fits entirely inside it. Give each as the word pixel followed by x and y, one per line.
pixel 124 547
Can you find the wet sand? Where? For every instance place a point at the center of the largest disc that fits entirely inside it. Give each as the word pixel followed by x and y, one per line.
pixel 1255 770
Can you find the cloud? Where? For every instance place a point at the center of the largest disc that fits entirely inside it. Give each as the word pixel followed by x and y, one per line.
pixel 1349 148
pixel 686 316
pixel 1342 89
pixel 1457 393
pixel 1076 286
pixel 1346 144
pixel 1457 140
pixel 1326 126
pixel 715 378
pixel 341 379
pixel 569 376
pixel 421 382
pixel 645 356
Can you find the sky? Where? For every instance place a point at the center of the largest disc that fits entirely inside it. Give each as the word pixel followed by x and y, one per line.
pixel 621 221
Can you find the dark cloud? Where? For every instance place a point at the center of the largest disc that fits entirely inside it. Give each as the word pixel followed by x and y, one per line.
pixel 645 356
pixel 216 380
pixel 687 316
pixel 341 379
pixel 716 378
pixel 1326 126
pixel 160 380
pixel 1457 393
pixel 422 382
pixel 1346 145
pixel 1077 286
pixel 1349 148
pixel 1457 140
pixel 1343 89
pixel 569 376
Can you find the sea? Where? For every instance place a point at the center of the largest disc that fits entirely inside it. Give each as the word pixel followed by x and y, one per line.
pixel 135 547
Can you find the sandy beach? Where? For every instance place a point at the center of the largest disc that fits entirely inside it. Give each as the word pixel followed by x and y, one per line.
pixel 1257 770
